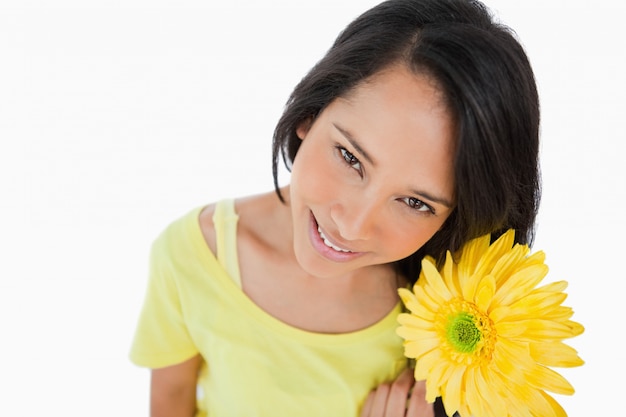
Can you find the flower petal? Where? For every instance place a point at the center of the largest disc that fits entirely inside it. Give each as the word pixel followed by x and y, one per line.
pixel 442 372
pixel 449 275
pixel 432 389
pixel 556 286
pixel 555 354
pixel 509 264
pixel 426 362
pixel 428 300
pixel 519 284
pixel 491 394
pixel 408 299
pixel 558 410
pixel 547 379
pixel 537 329
pixel 485 292
pixel 451 394
pixel 470 286
pixel 539 405
pixel 511 359
pixel 535 305
pixel 418 348
pixel 434 280
pixel 470 256
pixel 497 250
pixel 412 321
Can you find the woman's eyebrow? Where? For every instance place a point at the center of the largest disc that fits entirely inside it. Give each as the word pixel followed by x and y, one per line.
pixel 355 144
pixel 434 198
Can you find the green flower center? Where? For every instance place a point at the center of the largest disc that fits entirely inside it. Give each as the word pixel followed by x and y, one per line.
pixel 462 332
pixel 467 334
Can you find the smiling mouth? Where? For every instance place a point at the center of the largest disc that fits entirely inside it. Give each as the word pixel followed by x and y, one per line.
pixel 329 243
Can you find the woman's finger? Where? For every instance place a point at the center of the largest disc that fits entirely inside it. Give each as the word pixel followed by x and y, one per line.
pixel 418 406
pixel 398 394
pixel 367 405
pixel 390 400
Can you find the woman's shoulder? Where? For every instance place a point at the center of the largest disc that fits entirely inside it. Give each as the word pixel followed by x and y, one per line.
pixel 178 235
pixel 255 214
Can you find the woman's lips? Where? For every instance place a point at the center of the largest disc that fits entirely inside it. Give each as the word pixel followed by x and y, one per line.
pixel 328 242
pixel 326 247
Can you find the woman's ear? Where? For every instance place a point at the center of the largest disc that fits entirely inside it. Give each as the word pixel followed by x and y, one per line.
pixel 303 128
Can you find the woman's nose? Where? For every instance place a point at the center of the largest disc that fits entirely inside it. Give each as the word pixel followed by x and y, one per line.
pixel 355 221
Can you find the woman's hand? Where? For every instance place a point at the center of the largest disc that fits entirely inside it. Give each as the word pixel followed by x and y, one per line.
pixel 402 398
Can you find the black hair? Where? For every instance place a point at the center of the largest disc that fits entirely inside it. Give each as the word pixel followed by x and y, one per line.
pixel 489 88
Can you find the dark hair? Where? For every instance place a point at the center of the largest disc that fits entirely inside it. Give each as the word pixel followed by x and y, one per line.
pixel 490 90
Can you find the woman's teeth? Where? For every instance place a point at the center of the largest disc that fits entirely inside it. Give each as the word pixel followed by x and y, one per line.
pixel 329 243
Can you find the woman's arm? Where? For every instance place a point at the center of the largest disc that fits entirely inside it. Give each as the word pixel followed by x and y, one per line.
pixel 173 389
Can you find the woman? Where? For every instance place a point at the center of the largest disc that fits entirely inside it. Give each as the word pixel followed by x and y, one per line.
pixel 416 132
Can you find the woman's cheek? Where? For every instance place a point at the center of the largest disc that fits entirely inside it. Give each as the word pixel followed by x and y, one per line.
pixel 318 176
pixel 321 185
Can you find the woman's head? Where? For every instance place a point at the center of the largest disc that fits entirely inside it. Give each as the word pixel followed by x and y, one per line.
pixel 374 176
pixel 487 85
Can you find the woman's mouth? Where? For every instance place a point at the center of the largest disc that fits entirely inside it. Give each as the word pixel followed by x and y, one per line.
pixel 329 243
pixel 326 247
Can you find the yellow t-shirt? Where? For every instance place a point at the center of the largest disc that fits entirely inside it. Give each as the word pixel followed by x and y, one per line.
pixel 254 364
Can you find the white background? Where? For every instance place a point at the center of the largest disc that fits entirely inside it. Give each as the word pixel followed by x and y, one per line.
pixel 118 116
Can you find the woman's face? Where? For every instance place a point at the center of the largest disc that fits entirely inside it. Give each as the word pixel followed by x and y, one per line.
pixel 373 179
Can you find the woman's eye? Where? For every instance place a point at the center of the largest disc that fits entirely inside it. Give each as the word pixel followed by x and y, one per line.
pixel 350 159
pixel 417 204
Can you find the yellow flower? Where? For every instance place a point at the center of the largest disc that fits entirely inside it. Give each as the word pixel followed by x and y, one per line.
pixel 483 334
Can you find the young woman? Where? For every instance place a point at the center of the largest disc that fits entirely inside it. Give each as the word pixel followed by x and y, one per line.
pixel 416 132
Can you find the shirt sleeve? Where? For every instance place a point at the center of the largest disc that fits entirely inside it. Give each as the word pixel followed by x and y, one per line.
pixel 162 337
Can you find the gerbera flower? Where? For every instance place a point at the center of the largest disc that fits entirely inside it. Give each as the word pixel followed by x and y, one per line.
pixel 483 334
